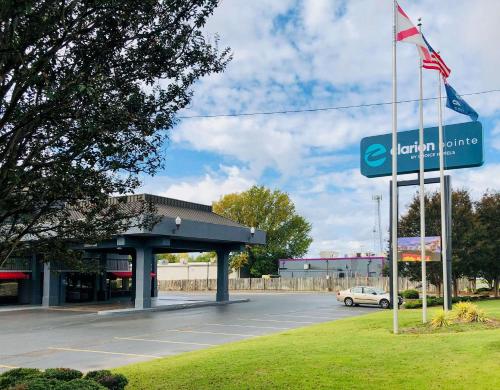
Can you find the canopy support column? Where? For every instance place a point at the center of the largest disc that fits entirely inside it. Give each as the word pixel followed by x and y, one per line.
pixel 51 286
pixel 222 275
pixel 143 265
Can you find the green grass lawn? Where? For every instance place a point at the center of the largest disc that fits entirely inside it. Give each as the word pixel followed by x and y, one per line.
pixel 354 353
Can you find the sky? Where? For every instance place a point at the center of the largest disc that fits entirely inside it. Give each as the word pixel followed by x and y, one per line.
pixel 290 55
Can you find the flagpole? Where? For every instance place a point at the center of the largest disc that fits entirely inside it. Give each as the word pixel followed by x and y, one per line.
pixel 422 187
pixel 394 207
pixel 443 206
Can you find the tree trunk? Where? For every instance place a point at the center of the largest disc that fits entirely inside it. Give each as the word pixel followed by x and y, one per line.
pixel 455 287
pixel 495 286
pixel 472 285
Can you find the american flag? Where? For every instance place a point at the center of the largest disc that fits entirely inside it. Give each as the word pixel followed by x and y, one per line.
pixel 408 33
pixel 432 60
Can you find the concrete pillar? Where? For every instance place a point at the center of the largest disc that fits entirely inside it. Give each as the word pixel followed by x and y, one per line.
pixel 154 279
pixel 133 279
pixel 101 280
pixel 222 275
pixel 144 260
pixel 51 286
pixel 27 287
pixel 36 280
pixel 63 281
pixel 96 286
pixel 24 291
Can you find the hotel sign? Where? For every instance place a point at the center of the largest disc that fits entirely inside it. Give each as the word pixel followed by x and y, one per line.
pixel 463 148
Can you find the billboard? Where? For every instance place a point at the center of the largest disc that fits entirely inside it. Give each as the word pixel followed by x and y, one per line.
pixel 463 148
pixel 409 248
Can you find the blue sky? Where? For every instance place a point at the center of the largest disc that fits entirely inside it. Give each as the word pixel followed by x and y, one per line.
pixel 318 53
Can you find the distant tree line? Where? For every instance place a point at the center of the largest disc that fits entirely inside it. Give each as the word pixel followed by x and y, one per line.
pixel 475 237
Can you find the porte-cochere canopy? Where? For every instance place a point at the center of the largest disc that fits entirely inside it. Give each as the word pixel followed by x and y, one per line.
pixel 181 227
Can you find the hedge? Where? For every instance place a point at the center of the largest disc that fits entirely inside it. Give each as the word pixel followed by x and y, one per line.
pixel 61 379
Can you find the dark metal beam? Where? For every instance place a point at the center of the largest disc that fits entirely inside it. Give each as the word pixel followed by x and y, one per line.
pixel 415 182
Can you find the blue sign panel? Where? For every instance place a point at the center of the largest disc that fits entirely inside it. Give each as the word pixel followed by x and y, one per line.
pixel 463 148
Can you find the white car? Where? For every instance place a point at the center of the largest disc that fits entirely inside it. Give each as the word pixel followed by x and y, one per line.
pixel 365 295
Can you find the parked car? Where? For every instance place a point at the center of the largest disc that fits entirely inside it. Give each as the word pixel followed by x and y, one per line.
pixel 367 296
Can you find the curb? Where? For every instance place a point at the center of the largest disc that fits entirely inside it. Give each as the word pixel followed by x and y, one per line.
pixel 120 312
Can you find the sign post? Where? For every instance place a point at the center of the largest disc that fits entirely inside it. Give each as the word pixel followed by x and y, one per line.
pixel 462 146
pixel 447 188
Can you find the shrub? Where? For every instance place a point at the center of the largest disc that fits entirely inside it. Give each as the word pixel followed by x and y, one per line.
pixel 11 377
pixel 441 319
pixel 37 383
pixel 434 301
pixel 417 303
pixel 94 375
pixel 113 382
pixel 62 374
pixel 80 384
pixel 61 379
pixel 474 314
pixel 107 379
pixel 461 309
pixel 410 294
pixel 413 304
pixel 483 289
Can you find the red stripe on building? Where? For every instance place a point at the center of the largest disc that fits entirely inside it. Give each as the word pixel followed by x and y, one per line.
pixel 13 275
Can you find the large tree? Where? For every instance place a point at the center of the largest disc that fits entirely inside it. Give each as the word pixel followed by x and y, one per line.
pixel 274 212
pixel 486 238
pixel 463 264
pixel 88 89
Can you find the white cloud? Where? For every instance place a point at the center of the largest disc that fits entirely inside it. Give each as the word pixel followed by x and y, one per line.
pixel 342 52
pixel 201 189
pixel 303 54
pixel 495 135
pixel 478 180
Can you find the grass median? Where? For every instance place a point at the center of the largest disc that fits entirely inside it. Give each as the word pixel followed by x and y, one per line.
pixel 353 353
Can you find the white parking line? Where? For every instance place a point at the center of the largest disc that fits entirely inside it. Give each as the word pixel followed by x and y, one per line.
pixel 164 341
pixel 299 316
pixel 251 326
pixel 103 352
pixel 208 332
pixel 335 311
pixel 262 320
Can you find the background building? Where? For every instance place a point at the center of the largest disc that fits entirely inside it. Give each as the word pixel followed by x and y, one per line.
pixel 338 267
pixel 190 271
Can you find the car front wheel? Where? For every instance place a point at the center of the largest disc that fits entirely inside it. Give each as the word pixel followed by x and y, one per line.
pixel 348 302
pixel 384 304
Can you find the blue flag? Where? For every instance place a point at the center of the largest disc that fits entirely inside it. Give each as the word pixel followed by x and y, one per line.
pixel 456 103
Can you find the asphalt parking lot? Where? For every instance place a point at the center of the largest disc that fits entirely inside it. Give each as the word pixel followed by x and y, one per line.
pixel 85 341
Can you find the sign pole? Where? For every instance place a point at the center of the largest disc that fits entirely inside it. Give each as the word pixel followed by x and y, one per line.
pixel 394 208
pixel 442 193
pixel 422 190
